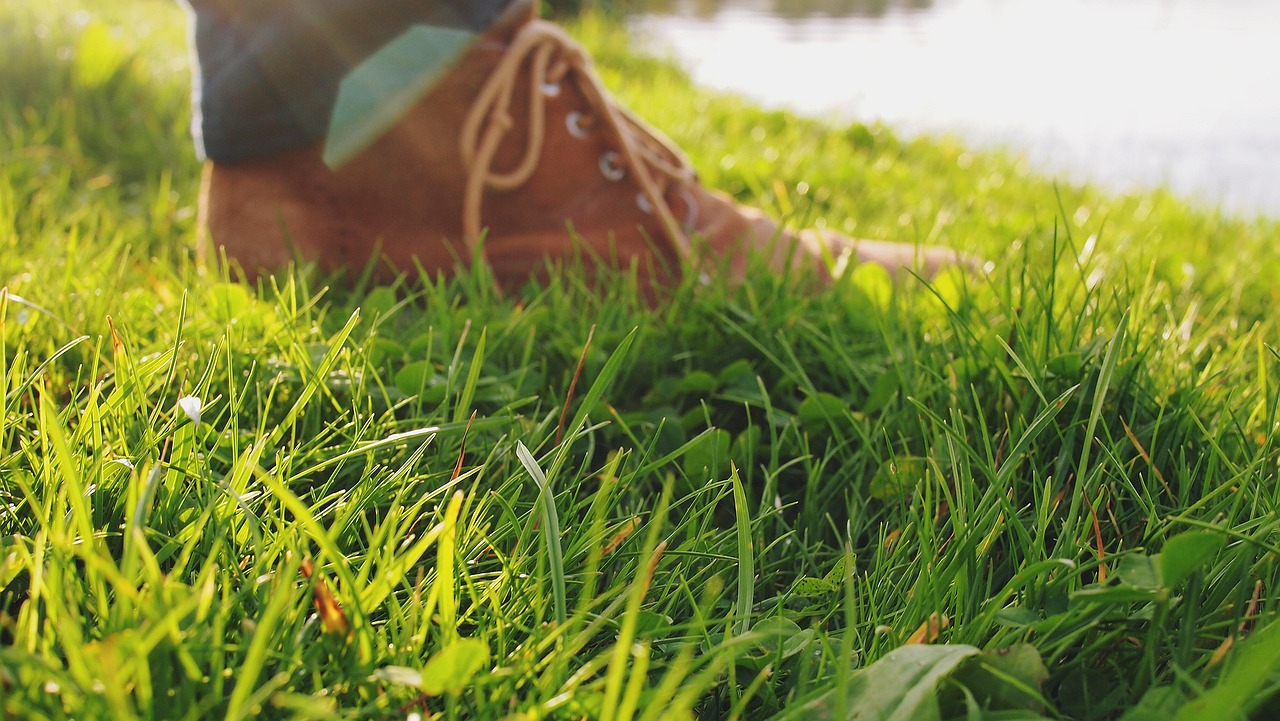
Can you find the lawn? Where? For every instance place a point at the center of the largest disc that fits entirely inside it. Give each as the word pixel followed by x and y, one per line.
pixel 1047 491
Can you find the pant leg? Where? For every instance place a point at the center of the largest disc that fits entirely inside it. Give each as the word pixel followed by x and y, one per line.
pixel 268 70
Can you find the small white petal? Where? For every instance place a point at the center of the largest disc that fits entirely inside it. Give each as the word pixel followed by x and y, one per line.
pixel 191 406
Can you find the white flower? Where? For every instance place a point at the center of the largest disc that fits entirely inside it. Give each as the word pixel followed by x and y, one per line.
pixel 191 406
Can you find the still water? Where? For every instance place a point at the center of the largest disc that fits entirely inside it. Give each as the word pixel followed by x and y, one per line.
pixel 1127 93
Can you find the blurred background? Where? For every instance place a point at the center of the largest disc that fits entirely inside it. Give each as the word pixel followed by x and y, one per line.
pixel 1125 93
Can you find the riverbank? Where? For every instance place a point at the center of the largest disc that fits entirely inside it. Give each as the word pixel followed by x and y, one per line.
pixel 1108 93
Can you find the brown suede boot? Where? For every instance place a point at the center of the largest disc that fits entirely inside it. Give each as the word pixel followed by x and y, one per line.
pixel 518 147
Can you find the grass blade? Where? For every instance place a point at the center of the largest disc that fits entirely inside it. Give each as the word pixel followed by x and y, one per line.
pixel 550 522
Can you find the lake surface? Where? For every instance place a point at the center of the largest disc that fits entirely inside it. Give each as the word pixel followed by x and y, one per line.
pixel 1126 93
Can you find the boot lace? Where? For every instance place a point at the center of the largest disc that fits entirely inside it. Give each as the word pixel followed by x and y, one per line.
pixel 655 163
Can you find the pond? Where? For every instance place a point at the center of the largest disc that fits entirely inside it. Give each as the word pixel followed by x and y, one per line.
pixel 1126 93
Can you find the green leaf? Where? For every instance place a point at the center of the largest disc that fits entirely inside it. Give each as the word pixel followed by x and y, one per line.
pixel 1016 617
pixel 379 302
pixel 898 478
pixel 651 623
pixel 910 684
pixel 452 668
pixel 1140 571
pixel 797 643
pixel 1185 553
pixel 708 456
pixel 400 675
pixel 884 390
pixel 1006 678
pixel 821 409
pixel 779 634
pixel 903 686
pixel 381 349
pixel 1113 594
pixel 835 576
pixel 1067 365
pixel 810 587
pixel 739 376
pixel 420 379
pixel 414 377
pixel 697 382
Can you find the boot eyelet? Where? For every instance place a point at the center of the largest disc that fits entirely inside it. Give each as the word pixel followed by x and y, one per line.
pixel 550 89
pixel 611 166
pixel 643 202
pixel 578 125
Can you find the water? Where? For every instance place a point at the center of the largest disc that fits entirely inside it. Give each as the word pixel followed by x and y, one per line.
pixel 1127 93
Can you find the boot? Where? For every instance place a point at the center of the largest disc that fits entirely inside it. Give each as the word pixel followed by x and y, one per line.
pixel 519 156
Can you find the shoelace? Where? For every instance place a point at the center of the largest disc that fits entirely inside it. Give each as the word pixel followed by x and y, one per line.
pixel 652 159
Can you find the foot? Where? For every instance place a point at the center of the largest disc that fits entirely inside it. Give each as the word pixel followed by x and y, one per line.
pixel 517 154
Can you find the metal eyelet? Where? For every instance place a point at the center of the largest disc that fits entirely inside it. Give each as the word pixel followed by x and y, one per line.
pixel 574 122
pixel 645 205
pixel 550 89
pixel 611 166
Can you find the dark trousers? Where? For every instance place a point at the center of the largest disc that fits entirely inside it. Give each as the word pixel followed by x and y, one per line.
pixel 268 70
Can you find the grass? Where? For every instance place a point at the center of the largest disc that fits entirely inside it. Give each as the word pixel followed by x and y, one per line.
pixel 1047 492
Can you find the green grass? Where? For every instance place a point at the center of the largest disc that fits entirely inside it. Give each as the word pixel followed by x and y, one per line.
pixel 746 508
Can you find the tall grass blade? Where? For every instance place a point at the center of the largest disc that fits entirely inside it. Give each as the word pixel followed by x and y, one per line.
pixel 550 522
